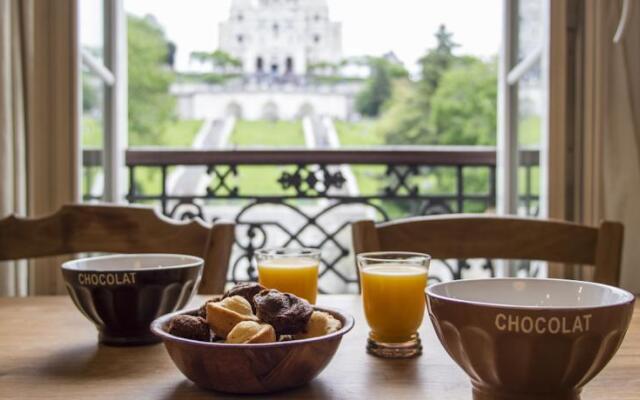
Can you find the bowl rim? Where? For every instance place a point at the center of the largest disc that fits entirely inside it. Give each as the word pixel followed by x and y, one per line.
pixel 628 296
pixel 190 261
pixel 156 328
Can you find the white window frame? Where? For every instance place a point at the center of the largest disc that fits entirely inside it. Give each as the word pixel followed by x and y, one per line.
pixel 113 73
pixel 509 75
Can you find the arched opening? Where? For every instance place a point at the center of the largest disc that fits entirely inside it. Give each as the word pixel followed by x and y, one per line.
pixel 270 111
pixel 259 64
pixel 289 66
pixel 233 109
pixel 274 68
pixel 305 110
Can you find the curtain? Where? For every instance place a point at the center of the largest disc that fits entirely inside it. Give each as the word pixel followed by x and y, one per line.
pixel 39 108
pixel 620 132
pixel 13 16
pixel 594 140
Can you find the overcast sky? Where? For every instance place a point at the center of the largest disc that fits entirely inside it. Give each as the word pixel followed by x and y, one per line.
pixel 370 27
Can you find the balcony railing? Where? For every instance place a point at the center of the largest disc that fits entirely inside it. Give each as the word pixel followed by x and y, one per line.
pixel 292 197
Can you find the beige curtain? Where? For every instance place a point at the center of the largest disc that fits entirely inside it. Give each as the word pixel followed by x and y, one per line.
pixel 13 276
pixel 620 131
pixel 594 143
pixel 39 106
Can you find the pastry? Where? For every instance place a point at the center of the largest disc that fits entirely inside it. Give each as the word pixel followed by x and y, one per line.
pixel 251 332
pixel 288 314
pixel 189 327
pixel 223 315
pixel 320 323
pixel 246 290
pixel 202 311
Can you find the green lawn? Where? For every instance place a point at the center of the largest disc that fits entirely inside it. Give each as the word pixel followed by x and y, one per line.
pixel 91 132
pixel 180 133
pixel 263 179
pixel 267 134
pixel 360 133
pixel 529 130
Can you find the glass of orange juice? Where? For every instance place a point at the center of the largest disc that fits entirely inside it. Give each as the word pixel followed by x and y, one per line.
pixel 393 286
pixel 290 270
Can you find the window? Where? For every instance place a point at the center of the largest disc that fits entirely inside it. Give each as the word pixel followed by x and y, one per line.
pixel 240 17
pixel 240 38
pixel 104 91
pixel 316 39
pixel 276 29
pixel 316 17
pixel 522 109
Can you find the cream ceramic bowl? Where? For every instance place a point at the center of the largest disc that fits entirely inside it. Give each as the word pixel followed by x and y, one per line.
pixel 529 338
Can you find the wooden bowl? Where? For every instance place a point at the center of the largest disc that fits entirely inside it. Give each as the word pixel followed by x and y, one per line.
pixel 252 368
pixel 529 339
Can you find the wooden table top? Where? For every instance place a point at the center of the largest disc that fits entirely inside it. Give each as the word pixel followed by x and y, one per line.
pixel 49 350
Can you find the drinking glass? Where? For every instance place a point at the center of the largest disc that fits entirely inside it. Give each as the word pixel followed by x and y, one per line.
pixel 290 270
pixel 393 285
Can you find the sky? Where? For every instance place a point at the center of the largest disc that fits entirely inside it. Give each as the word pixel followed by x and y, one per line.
pixel 369 27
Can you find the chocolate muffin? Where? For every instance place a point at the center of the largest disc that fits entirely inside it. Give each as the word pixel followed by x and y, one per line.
pixel 287 313
pixel 190 327
pixel 246 290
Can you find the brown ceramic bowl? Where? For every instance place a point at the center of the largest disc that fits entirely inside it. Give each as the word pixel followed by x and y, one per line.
pixel 122 294
pixel 529 339
pixel 252 368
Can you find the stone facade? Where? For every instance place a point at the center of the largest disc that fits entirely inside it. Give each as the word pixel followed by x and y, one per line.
pixel 280 37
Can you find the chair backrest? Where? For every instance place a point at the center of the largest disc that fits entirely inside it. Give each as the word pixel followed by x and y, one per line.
pixel 119 229
pixel 480 236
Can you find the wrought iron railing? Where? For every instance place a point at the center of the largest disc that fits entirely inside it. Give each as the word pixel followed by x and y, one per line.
pixel 308 197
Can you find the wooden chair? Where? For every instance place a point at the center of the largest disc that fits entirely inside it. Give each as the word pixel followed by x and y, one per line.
pixel 119 229
pixel 480 236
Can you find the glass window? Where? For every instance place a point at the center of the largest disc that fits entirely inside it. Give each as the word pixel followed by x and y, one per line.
pixel 92 124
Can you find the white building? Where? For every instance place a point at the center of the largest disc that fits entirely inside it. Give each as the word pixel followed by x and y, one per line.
pixel 280 37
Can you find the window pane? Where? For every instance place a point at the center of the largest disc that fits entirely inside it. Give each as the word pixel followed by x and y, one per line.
pixel 92 27
pixel 91 14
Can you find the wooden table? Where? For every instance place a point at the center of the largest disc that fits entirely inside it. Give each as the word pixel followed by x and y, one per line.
pixel 48 350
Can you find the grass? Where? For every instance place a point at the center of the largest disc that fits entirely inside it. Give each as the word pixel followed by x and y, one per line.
pixel 262 180
pixel 360 133
pixel 529 131
pixel 180 133
pixel 91 132
pixel 267 134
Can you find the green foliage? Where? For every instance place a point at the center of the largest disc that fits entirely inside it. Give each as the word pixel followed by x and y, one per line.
pixel 463 108
pixel 454 102
pixel 151 107
pixel 267 133
pixel 377 89
pixel 208 77
pixel 219 59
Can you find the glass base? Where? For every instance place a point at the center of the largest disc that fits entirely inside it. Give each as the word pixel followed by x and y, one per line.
pixel 407 349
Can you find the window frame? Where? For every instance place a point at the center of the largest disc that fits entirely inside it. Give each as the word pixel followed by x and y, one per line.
pixel 113 73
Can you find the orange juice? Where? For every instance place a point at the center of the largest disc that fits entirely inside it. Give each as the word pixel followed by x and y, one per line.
pixel 394 303
pixel 297 275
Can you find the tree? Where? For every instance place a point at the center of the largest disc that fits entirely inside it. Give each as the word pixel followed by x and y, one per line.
pixel 376 91
pixel 378 87
pixel 151 107
pixel 437 61
pixel 463 108
pixel 219 59
pixel 454 101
